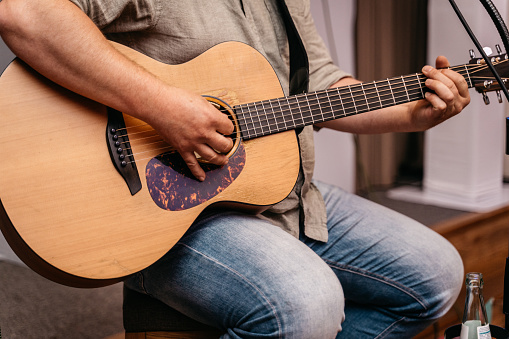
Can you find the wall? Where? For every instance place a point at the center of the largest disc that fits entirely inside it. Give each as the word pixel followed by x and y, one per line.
pixel 463 163
pixel 335 152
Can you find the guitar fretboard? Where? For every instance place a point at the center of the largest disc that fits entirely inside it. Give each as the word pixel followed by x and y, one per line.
pixel 281 114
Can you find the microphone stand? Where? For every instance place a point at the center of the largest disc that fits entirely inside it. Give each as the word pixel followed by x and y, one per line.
pixel 504 34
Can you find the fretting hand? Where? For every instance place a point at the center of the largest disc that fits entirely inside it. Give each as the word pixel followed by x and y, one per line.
pixel 450 95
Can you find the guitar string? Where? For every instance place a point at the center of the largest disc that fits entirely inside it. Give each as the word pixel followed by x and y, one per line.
pixel 417 82
pixel 376 88
pixel 258 120
pixel 168 147
pixel 351 96
pixel 266 117
pixel 419 79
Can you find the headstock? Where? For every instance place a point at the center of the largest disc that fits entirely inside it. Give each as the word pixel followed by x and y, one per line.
pixel 481 77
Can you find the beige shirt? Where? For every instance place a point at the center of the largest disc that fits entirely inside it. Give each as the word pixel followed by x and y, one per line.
pixel 175 31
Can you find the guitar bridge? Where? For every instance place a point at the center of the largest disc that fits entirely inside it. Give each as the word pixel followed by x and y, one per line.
pixel 120 150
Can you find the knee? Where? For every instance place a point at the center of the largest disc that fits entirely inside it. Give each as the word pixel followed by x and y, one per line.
pixel 446 276
pixel 314 309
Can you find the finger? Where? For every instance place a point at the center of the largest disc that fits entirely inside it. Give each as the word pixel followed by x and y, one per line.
pixel 436 102
pixel 194 166
pixel 439 75
pixel 221 143
pixel 208 154
pixel 225 125
pixel 444 91
pixel 442 62
pixel 453 80
pixel 459 81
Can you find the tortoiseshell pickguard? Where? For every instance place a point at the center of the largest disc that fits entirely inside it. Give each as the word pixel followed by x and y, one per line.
pixel 172 186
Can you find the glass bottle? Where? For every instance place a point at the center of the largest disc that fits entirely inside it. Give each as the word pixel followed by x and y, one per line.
pixel 475 324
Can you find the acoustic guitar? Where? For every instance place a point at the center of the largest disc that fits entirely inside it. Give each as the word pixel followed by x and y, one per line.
pixel 89 195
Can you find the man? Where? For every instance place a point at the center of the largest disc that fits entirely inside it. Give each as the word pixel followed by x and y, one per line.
pixel 320 262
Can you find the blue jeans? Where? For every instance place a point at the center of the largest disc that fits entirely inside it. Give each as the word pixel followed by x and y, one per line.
pixel 380 275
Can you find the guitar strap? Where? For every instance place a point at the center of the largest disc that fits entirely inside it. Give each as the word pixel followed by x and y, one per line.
pixel 299 64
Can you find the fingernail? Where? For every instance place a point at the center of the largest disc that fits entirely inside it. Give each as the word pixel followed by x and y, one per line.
pixel 427 69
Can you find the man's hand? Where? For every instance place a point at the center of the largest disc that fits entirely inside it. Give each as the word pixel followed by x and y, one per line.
pixel 192 125
pixel 450 95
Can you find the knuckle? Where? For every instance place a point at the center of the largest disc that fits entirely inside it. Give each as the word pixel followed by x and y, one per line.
pixel 213 158
pixel 442 107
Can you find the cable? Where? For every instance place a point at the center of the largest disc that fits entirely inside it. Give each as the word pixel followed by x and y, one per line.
pixel 495 17
pixel 498 21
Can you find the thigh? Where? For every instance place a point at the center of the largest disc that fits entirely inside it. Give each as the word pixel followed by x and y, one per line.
pixel 387 261
pixel 244 275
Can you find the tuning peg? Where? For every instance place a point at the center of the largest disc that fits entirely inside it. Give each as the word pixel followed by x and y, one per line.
pixel 499 97
pixel 499 50
pixel 488 51
pixel 486 99
pixel 472 53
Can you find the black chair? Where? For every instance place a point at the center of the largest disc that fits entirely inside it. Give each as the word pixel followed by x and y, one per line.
pixel 147 318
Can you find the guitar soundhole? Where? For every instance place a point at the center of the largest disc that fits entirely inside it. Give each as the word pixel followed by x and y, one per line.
pixel 172 186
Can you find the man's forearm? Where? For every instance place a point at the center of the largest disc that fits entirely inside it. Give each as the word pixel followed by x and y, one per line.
pixel 58 40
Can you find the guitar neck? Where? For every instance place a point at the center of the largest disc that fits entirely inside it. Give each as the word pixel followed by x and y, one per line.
pixel 281 114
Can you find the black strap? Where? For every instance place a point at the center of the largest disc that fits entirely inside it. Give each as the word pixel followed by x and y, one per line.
pixel 299 65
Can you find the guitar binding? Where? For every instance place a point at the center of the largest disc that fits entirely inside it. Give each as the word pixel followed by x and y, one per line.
pixel 120 151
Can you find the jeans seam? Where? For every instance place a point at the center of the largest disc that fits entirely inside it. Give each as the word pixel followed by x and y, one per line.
pixel 381 279
pixel 244 279
pixel 383 334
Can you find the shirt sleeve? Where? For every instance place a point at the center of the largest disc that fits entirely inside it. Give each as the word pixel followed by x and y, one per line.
pixel 322 70
pixel 117 16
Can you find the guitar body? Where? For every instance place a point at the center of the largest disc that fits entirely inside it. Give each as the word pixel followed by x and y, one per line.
pixel 65 209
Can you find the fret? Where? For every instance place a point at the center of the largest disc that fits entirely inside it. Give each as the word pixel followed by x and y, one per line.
pixel 392 92
pixel 468 77
pixel 347 101
pixel 243 123
pixel 281 116
pixel 295 112
pixel 401 93
pixel 353 99
pixel 264 118
pixel 259 127
pixel 365 96
pixel 254 125
pixel 420 85
pixel 406 91
pixel 415 91
pixel 301 116
pixel 307 113
pixel 378 94
pixel 372 96
pixel 276 116
pixel 328 112
pixel 385 93
pixel 343 110
pixel 317 100
pixel 266 127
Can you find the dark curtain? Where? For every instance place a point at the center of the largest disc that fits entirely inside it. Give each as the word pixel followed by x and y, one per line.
pixel 391 38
